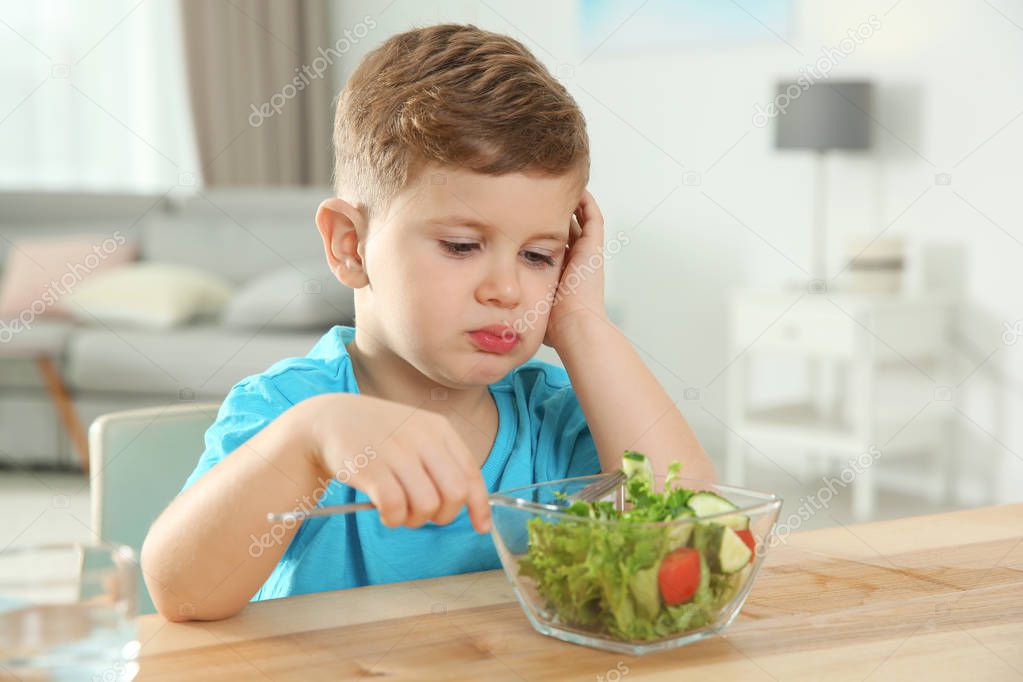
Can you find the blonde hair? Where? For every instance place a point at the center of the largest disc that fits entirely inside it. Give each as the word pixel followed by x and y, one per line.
pixel 458 96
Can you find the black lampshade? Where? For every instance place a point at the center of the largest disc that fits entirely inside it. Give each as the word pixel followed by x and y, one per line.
pixel 827 115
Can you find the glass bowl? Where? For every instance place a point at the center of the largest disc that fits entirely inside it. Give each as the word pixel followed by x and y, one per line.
pixel 601 582
pixel 67 612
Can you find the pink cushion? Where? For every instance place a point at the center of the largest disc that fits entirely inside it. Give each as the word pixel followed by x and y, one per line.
pixel 41 272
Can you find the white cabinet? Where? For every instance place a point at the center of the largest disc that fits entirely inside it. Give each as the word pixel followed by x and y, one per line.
pixel 851 344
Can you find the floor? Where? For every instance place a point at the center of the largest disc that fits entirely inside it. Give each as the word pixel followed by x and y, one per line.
pixel 41 507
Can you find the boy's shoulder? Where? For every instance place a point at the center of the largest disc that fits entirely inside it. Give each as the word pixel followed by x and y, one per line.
pixel 324 369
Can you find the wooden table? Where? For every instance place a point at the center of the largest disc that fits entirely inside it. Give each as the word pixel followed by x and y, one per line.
pixel 923 598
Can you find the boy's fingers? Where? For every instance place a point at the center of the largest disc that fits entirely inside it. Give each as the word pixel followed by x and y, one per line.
pixel 450 481
pixel 589 209
pixel 477 496
pixel 420 492
pixel 478 503
pixel 590 217
pixel 388 497
pixel 574 232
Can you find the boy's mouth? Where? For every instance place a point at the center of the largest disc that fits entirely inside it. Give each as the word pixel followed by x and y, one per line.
pixel 495 338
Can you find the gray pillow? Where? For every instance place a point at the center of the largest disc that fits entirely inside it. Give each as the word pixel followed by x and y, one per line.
pixel 303 296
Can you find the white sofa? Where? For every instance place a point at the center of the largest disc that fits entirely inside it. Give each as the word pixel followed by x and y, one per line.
pixel 238 234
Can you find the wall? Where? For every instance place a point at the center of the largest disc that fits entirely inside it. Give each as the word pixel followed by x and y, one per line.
pixel 949 102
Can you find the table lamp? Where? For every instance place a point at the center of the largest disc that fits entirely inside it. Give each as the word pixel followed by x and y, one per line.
pixel 828 115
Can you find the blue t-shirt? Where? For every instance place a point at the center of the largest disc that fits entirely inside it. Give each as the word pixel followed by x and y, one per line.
pixel 542 436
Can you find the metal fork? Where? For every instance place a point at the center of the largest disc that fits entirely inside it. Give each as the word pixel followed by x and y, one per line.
pixel 591 493
pixel 599 488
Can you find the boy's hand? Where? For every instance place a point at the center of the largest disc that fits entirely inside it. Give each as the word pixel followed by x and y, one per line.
pixel 410 462
pixel 581 286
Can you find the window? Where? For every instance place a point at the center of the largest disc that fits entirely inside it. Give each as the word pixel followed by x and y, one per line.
pixel 93 96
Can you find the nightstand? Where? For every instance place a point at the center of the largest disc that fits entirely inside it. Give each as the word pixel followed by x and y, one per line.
pixel 851 344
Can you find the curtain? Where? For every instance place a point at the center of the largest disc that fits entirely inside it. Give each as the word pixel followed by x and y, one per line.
pixel 93 97
pixel 261 80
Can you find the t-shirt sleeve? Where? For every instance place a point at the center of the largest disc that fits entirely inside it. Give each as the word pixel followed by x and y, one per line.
pixel 565 441
pixel 250 405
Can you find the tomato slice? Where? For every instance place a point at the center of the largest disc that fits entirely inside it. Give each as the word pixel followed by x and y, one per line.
pixel 679 575
pixel 747 537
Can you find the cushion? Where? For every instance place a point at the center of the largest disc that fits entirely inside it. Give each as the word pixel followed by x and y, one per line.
pixel 291 298
pixel 149 295
pixel 40 273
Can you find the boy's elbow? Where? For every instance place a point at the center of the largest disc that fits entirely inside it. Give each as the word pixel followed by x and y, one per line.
pixel 178 610
pixel 166 591
pixel 170 613
pixel 165 604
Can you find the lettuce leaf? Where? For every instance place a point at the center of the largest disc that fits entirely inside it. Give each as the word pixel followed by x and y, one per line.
pixel 604 577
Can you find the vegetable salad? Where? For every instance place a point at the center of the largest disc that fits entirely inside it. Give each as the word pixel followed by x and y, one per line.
pixel 635 581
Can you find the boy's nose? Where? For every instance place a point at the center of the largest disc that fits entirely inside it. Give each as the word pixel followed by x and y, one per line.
pixel 500 287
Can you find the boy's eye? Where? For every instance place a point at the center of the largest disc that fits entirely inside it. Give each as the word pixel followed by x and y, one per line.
pixel 459 248
pixel 539 258
pixel 534 258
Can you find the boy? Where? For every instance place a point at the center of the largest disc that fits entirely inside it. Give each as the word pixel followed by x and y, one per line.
pixel 462 223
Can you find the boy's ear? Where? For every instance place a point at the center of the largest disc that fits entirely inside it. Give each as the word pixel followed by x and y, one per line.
pixel 341 227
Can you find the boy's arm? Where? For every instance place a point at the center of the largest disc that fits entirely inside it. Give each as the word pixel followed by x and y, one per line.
pixel 624 404
pixel 213 547
pixel 203 558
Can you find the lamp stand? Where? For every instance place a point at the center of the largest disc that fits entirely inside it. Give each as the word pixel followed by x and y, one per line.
pixel 819 228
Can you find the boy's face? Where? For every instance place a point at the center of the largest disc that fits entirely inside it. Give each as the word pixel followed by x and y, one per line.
pixel 458 251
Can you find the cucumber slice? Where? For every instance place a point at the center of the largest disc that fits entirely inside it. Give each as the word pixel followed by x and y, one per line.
pixel 637 466
pixel 726 552
pixel 707 504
